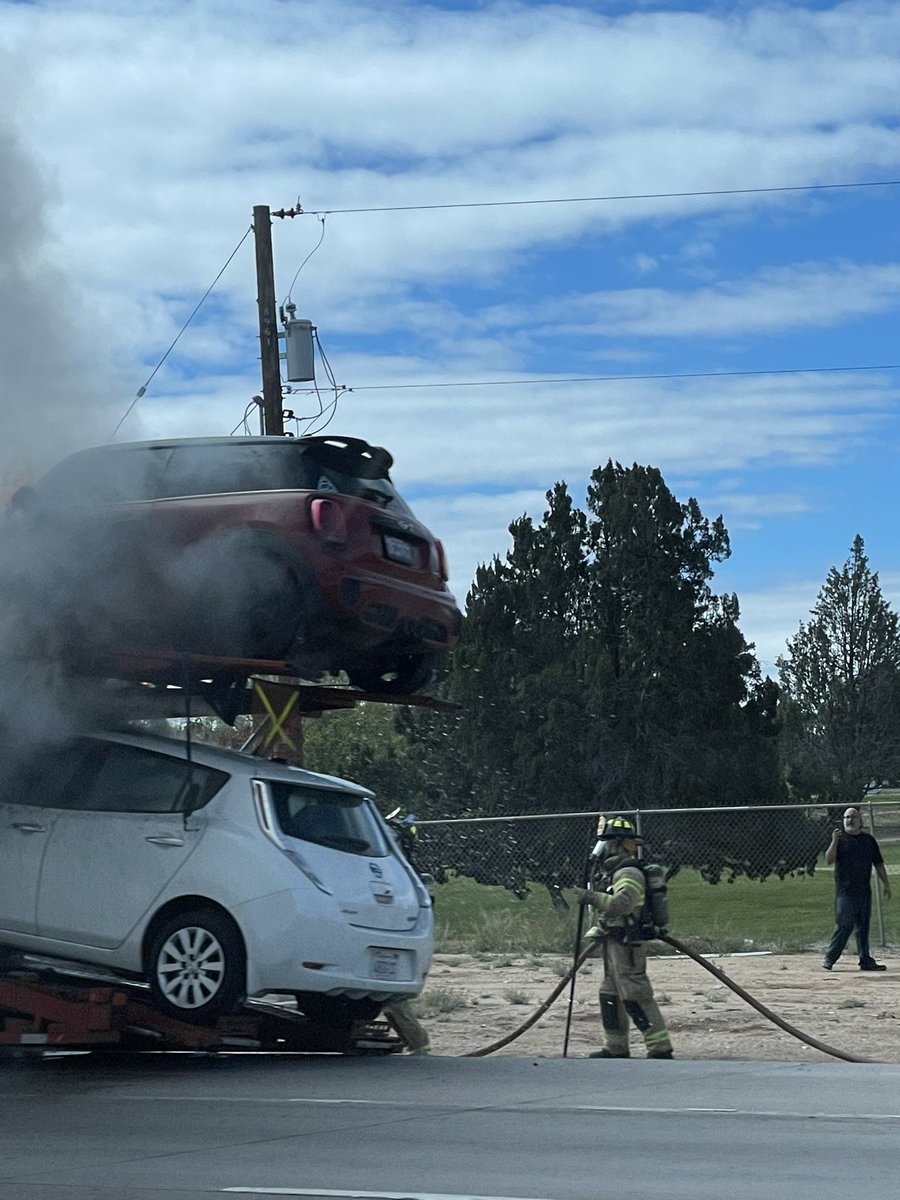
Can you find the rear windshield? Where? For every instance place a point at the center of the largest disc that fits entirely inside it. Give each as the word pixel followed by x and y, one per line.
pixel 335 819
pixel 110 475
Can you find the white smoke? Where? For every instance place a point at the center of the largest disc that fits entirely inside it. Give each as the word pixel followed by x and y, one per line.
pixel 57 393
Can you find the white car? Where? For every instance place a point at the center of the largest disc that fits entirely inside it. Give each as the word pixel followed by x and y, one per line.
pixel 211 874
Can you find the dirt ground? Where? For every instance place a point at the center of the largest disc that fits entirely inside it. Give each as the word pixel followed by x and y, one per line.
pixel 472 1001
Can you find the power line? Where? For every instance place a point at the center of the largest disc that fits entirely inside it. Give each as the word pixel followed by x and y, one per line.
pixel 751 191
pixel 379 387
pixel 142 390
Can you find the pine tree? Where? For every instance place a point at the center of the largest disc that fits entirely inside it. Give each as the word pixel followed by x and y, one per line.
pixel 599 672
pixel 840 683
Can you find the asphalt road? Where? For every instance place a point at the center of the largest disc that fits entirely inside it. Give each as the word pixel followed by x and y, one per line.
pixel 183 1128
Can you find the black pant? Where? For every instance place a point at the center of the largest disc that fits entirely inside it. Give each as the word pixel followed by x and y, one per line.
pixel 853 911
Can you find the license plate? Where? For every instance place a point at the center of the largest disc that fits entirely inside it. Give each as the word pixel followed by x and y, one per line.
pixel 388 964
pixel 400 551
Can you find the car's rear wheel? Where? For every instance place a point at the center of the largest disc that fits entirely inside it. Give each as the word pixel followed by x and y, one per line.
pixel 401 675
pixel 240 599
pixel 275 612
pixel 196 964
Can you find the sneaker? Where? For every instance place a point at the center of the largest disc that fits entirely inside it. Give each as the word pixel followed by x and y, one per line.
pixel 826 965
pixel 606 1053
pixel 871 965
pixel 421 1051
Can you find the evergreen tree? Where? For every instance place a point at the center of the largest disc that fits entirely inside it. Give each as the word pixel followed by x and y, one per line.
pixel 840 683
pixel 598 671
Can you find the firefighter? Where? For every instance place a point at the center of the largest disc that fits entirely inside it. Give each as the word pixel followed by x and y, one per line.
pixel 626 990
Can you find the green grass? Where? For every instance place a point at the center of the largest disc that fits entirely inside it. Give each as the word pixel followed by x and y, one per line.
pixel 787 916
pixel 473 918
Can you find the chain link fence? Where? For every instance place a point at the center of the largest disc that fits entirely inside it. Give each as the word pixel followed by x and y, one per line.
pixel 751 878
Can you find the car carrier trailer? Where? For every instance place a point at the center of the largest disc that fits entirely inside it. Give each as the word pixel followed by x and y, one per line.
pixel 43 1011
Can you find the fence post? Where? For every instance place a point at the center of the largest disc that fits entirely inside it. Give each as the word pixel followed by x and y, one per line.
pixel 878 906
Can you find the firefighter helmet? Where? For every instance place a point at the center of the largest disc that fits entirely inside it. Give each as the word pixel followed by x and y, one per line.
pixel 618 841
pixel 616 827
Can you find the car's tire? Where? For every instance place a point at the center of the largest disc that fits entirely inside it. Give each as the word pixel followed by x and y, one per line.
pixel 239 598
pixel 272 626
pixel 399 676
pixel 197 966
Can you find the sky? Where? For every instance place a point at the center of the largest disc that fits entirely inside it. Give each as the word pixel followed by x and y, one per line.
pixel 534 237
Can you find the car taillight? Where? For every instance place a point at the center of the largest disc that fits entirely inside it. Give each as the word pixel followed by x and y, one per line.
pixel 441 559
pixel 328 521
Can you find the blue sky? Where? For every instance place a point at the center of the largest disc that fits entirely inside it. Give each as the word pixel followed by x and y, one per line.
pixel 136 139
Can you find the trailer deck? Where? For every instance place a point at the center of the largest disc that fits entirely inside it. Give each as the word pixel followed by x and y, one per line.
pixel 40 1012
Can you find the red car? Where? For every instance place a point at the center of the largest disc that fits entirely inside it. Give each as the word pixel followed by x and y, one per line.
pixel 298 550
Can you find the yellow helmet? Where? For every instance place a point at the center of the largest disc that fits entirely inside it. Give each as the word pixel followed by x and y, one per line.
pixel 615 833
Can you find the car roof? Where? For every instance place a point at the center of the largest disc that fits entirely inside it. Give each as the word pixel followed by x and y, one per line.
pixel 222 440
pixel 351 456
pixel 235 762
pixel 301 443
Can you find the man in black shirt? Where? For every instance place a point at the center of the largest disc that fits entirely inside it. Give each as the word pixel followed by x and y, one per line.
pixel 853 854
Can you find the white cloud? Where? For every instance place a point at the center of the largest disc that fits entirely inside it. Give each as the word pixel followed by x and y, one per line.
pixel 644 264
pixel 749 510
pixel 388 105
pixel 776 300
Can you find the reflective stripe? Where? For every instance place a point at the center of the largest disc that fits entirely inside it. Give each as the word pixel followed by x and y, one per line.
pixel 651 1039
pixel 621 884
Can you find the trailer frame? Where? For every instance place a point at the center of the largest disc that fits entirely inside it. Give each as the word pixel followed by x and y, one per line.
pixel 40 1012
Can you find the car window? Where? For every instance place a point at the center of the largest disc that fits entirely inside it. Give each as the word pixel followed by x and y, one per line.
pixel 335 819
pixel 46 778
pixel 121 474
pixel 194 469
pixel 354 468
pixel 130 779
pixel 105 476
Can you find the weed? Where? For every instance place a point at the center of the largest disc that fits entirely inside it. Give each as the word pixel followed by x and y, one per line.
pixel 436 1001
pixel 514 996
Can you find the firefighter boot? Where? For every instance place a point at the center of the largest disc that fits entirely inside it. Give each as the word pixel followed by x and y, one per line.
pixel 615 1028
pixel 649 1021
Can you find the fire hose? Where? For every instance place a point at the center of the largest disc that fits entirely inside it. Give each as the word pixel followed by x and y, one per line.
pixel 707 966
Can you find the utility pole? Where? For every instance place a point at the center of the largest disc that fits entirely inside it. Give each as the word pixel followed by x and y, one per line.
pixel 273 401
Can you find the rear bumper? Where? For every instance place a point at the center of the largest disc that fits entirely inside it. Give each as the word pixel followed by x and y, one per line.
pixel 366 612
pixel 323 953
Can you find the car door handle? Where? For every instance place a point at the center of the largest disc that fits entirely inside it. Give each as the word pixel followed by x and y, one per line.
pixel 165 841
pixel 27 828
